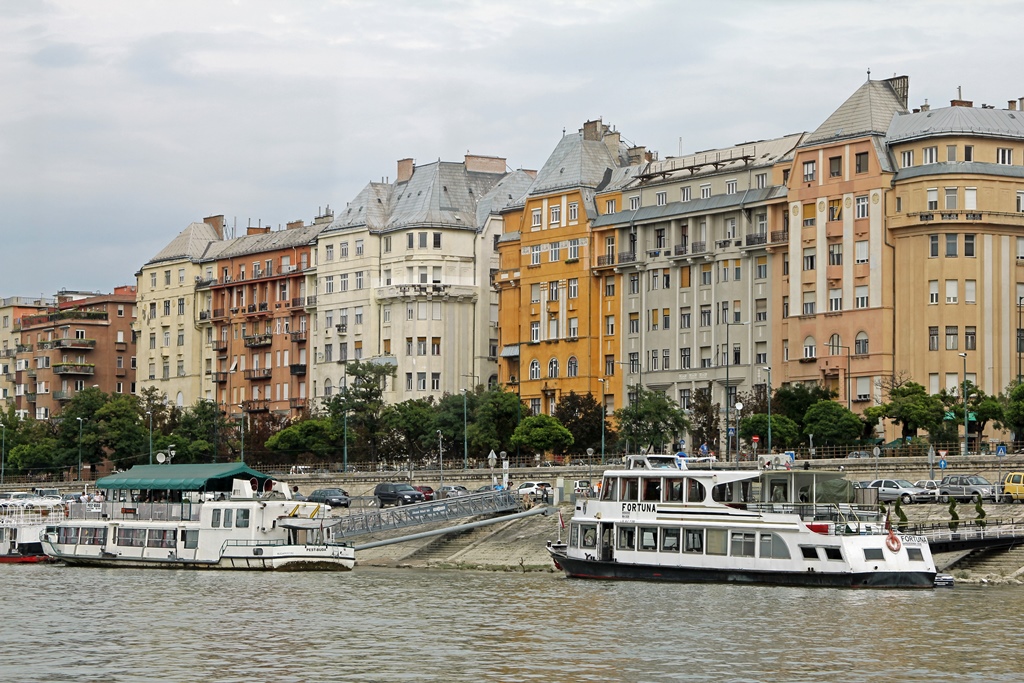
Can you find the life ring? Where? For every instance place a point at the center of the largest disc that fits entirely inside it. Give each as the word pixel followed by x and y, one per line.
pixel 893 543
pixel 767 464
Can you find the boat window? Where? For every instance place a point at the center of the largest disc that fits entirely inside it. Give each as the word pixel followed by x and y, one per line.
pixel 242 519
pixel 873 554
pixel 743 544
pixel 721 493
pixel 674 490
pixel 810 552
pixel 574 535
pixel 648 538
pixel 160 538
pixel 652 489
pixel 227 519
pixel 915 555
pixel 191 538
pixel 94 536
pixel 627 538
pixel 589 534
pixel 833 553
pixel 694 541
pixel 609 488
pixel 717 541
pixel 695 491
pixel 670 540
pixel 779 491
pixel 773 546
pixel 215 519
pixel 67 534
pixel 131 537
pixel 630 489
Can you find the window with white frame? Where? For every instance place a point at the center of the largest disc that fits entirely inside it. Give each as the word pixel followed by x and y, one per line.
pixel 574 327
pixel 574 249
pixel 574 211
pixel 863 388
pixel 534 369
pixel 535 331
pixel 809 170
pixel 860 344
pixel 809 258
pixel 860 205
pixel 951 244
pixel 574 287
pixel 809 302
pixel 835 299
pixel 705 191
pixel 933 291
pixel 907 159
pixel 969 245
pixel 970 198
pixel 661 198
pixel 933 198
pixel 810 348
pixel 952 337
pixel 860 298
pixel 684 194
pixel 1004 155
pixel 930 155
pixel 951 195
pixel 951 291
pixel 730 187
pixel 933 246
pixel 556 215
pixel 609 206
pixel 970 291
pixel 536 218
pixel 835 254
pixel 862 253
pixel 761 180
pixel 535 255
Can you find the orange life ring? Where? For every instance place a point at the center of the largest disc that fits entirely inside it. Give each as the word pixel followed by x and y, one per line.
pixel 893 543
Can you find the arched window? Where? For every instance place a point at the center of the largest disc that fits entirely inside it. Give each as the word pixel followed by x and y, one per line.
pixel 327 387
pixel 492 381
pixel 835 345
pixel 573 368
pixel 810 348
pixel 860 345
pixel 553 368
pixel 534 369
pixel 180 400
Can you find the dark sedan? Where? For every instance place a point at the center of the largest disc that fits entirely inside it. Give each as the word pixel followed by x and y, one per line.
pixel 336 498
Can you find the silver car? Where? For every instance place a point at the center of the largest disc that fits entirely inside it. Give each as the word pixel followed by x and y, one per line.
pixel 892 489
pixel 965 487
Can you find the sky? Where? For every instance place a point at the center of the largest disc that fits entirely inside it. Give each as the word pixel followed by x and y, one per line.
pixel 123 121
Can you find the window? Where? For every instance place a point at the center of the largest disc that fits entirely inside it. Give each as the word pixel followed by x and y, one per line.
pixel 933 246
pixel 705 191
pixel 574 327
pixel 437 243
pixel 666 318
pixel 930 155
pixel 435 346
pixel 933 338
pixel 933 199
pixel 553 368
pixel 809 168
pixel 761 180
pixel 951 243
pixel 609 286
pixel 952 337
pixel 860 296
pixel 574 211
pixel 535 293
pixel 1004 155
pixel 556 215
pixel 860 205
pixel 423 240
pixel 861 162
pixel 809 258
pixel 572 367
pixel 634 323
pixel 553 290
pixel 835 254
pixel 421 381
pixel 574 287
pixel 705 274
pixel 685 319
pixel 951 291
pixel 329 252
pixel 167 307
pixel 329 284
pixel 730 187
pixel 969 246
pixel 555 252
pixel 835 209
pixel 907 159
pixel 609 325
pixel 535 331
pixel 899 204
pixel 705 316
pixel 835 299
pixel 634 283
pixel 970 338
pixel 574 249
pixel 730 228
pixel 609 206
pixel 835 167
pixel 535 255
pixel 968 152
pixel 810 349
pixel 970 291
pixel 860 344
pixel 536 218
pixel 951 193
pixel 950 152
pixel 344 250
pixel 659 238
pixel 933 291
pixel 661 198
pixel 534 369
pixel 971 198
pixel 343 282
pixel 761 267
pixel 684 358
pixel 359 278
pixel 809 302
pixel 684 194
pixel 785 307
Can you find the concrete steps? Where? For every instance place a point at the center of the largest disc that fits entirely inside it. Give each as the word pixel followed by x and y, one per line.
pixel 449 545
pixel 994 563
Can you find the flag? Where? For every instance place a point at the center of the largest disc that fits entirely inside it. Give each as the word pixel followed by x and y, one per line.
pixel 561 522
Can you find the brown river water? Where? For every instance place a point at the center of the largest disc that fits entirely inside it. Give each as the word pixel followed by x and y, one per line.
pixel 70 624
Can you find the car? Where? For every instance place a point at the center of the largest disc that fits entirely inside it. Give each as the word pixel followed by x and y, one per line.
pixel 489 487
pixel 892 489
pixel 454 491
pixel 964 487
pixel 427 491
pixel 1013 487
pixel 858 454
pixel 931 487
pixel 582 487
pixel 534 489
pixel 336 498
pixel 395 493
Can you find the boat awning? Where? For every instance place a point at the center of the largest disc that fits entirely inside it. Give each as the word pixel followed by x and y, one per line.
pixel 192 477
pixel 307 523
pixel 510 351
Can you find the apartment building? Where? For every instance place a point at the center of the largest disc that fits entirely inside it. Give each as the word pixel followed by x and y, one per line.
pixel 83 340
pixel 837 322
pixel 172 301
pixel 955 217
pixel 404 278
pixel 13 309
pixel 552 307
pixel 686 257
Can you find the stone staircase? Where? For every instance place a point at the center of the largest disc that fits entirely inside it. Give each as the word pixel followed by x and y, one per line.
pixel 993 563
pixel 443 548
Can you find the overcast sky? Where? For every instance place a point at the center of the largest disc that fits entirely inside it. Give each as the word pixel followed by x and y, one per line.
pixel 122 122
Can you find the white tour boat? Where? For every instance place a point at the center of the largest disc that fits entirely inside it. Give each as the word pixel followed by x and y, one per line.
pixel 21 521
pixel 657 520
pixel 170 522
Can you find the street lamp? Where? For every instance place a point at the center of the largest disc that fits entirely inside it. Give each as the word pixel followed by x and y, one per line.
pixel 150 414
pixel 241 429
pixel 465 433
pixel 79 448
pixel 504 469
pixel 604 413
pixel 728 351
pixel 831 351
pixel 3 451
pixel 344 447
pixel 739 407
pixel 966 437
pixel 768 369
pixel 1020 335
pixel 491 462
pixel 440 457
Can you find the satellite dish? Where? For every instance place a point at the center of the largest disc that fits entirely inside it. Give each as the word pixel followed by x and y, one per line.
pixel 161 458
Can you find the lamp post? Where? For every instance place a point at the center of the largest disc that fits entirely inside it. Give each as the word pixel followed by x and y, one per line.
pixel 79 448
pixel 966 436
pixel 3 451
pixel 739 407
pixel 440 457
pixel 150 414
pixel 604 414
pixel 768 369
pixel 344 447
pixel 728 351
pixel 831 351
pixel 491 461
pixel 504 469
pixel 465 433
pixel 241 428
pixel 1020 335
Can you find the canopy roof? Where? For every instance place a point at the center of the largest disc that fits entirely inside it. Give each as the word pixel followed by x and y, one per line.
pixel 192 477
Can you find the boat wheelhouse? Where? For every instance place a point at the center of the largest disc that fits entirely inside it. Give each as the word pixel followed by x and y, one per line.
pixel 656 519
pixel 21 521
pixel 221 516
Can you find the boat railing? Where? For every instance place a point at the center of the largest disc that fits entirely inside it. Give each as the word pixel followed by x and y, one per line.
pixel 254 542
pixel 158 512
pixel 35 514
pixel 845 518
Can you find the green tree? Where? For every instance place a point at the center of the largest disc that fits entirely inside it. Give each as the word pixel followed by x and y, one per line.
pixel 202 433
pixel 793 400
pixel 87 436
pixel 651 420
pixel 785 433
pixel 121 431
pixel 1013 411
pixel 541 434
pixel 410 429
pixel 497 415
pixel 582 415
pixel 832 424
pixel 363 400
pixel 912 408
pixel 705 422
pixel 313 437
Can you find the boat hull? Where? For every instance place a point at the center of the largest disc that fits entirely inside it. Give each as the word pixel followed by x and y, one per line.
pixel 595 569
pixel 23 559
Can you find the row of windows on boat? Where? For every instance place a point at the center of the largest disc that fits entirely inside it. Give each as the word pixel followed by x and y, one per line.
pixel 153 538
pixel 701 541
pixel 676 490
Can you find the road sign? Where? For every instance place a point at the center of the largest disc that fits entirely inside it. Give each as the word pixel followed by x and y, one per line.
pixel 1001 451
pixel 732 431
pixel 942 464
pixel 942 454
pixel 756 438
pixel 877 451
pixel 931 455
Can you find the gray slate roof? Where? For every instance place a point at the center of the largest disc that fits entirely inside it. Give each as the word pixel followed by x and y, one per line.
pixel 576 162
pixel 727 159
pixel 956 121
pixel 191 243
pixel 867 111
pixel 969 167
pixel 254 244
pixel 509 191
pixel 694 206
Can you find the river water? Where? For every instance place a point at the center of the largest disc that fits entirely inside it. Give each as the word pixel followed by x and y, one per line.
pixel 71 624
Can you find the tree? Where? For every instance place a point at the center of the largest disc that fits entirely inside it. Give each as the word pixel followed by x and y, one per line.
pixel 651 419
pixel 202 433
pixel 911 407
pixel 832 424
pixel 793 400
pixel 410 429
pixel 582 415
pixel 363 401
pixel 307 437
pixel 785 433
pixel 497 416
pixel 704 414
pixel 540 434
pixel 120 430
pixel 1013 411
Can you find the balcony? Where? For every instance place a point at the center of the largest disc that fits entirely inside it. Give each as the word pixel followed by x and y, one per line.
pixel 74 369
pixel 8 353
pixel 219 345
pixel 23 348
pixel 297 403
pixel 31 372
pixel 218 313
pixel 120 372
pixel 311 300
pixel 680 249
pixel 220 377
pixel 297 368
pixel 120 346
pixel 74 344
pixel 203 282
pixel 255 340
pixel 30 396
pixel 62 396
pixel 606 260
pixel 256 406
pixel 627 256
pixel 756 239
pixel 258 373
pixel 204 315
pixel 299 336
pixel 698 247
pixel 780 236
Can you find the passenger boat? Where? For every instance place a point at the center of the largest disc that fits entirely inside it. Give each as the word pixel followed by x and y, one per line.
pixel 255 525
pixel 21 522
pixel 655 519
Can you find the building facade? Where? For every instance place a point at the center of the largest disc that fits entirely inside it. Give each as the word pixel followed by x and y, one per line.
pixel 13 309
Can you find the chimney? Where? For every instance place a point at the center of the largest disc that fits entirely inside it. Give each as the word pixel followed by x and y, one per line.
pixel 636 154
pixel 612 139
pixel 482 164
pixel 405 167
pixel 293 225
pixel 1020 104
pixel 926 106
pixel 961 103
pixel 257 230
pixel 592 130
pixel 217 223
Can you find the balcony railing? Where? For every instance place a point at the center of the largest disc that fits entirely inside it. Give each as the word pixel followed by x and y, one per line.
pixel 258 373
pixel 23 348
pixel 74 344
pixel 74 369
pixel 8 353
pixel 219 345
pixel 220 377
pixel 627 256
pixel 780 236
pixel 254 340
pixel 256 406
pixel 204 315
pixel 299 336
pixel 298 368
pixel 297 301
pixel 606 260
pixel 756 238
pixel 297 403
pixel 311 300
pixel 30 396
pixel 679 250
pixel 218 313
pixel 698 247
pixel 62 395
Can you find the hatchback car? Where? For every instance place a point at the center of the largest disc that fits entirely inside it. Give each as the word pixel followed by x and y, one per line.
pixel 336 498
pixel 965 487
pixel 427 491
pixel 535 489
pixel 454 491
pixel 931 486
pixel 892 489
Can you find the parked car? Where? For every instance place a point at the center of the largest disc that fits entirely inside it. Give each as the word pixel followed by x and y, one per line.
pixel 931 487
pixel 891 489
pixel 1013 487
pixel 858 454
pixel 964 487
pixel 535 489
pixel 390 493
pixel 427 491
pixel 454 491
pixel 489 487
pixel 336 498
